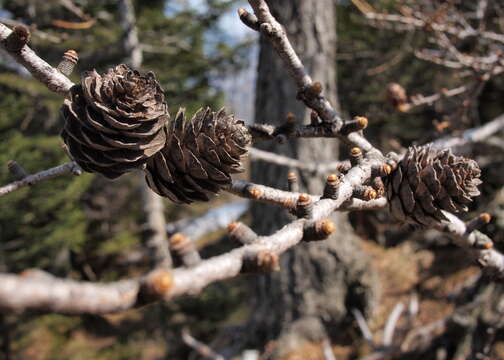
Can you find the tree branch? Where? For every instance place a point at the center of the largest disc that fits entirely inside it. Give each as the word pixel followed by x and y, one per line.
pixel 41 70
pixel 67 168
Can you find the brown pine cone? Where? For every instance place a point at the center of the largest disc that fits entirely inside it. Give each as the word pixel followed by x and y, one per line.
pixel 427 181
pixel 114 122
pixel 198 157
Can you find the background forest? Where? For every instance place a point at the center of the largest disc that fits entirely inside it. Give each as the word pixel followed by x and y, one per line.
pixel 89 228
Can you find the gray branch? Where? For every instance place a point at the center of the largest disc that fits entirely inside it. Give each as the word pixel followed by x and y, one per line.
pixel 41 70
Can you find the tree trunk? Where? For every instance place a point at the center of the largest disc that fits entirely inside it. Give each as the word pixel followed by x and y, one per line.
pixel 319 282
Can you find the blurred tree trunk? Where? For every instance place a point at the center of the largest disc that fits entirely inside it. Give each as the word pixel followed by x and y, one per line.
pixel 318 283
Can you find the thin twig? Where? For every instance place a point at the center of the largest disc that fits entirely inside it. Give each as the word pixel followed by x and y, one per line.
pixel 41 70
pixel 68 168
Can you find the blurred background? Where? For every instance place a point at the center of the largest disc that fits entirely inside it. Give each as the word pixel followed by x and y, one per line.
pixel 89 228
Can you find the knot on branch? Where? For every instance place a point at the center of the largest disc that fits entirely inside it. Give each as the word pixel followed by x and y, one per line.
pixel 304 206
pixel 331 187
pixel 318 230
pixel 16 170
pixel 242 233
pixel 356 124
pixel 356 156
pixel 262 261
pixel 17 39
pixel 478 222
pixel 184 249
pixel 365 193
pixel 310 92
pixel 155 286
pixel 292 182
pixel 248 19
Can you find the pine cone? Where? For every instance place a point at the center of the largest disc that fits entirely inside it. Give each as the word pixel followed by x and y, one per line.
pixel 427 181
pixel 198 157
pixel 114 122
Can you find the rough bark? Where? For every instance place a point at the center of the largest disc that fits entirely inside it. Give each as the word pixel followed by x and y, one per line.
pixel 319 282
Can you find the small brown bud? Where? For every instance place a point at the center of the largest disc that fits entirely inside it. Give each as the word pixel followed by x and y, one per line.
pixel 379 186
pixel 356 151
pixel 370 194
pixel 292 182
pixel 314 118
pixel 478 222
pixel 184 249
pixel 316 88
pixel 356 156
pixel 331 187
pixel 157 284
pixel 232 226
pixel 262 261
pixel 318 230
pixel 365 193
pixel 67 64
pixel 254 192
pixel 241 233
pixel 268 261
pixel 485 217
pixel 482 241
pixel 16 170
pixel 248 19
pixel 304 206
pixel 357 124
pixel 17 39
pixel 290 205
pixel 381 170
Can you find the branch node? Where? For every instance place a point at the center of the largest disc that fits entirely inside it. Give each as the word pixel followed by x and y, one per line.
pixel 155 286
pixel 292 182
pixel 356 156
pixel 266 29
pixel 240 232
pixel 68 62
pixel 264 261
pixel 381 170
pixel 16 170
pixel 478 222
pixel 365 193
pixel 184 249
pixel 314 118
pixel 17 39
pixel 248 19
pixel 357 124
pixel 312 91
pixel 379 186
pixel 482 242
pixel 318 230
pixel 304 206
pixel 331 187
pixel 253 192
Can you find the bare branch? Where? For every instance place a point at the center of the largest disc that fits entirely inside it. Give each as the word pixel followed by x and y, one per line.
pixel 478 244
pixel 201 348
pixel 213 220
pixel 471 136
pixel 388 333
pixel 257 154
pixel 68 168
pixel 42 71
